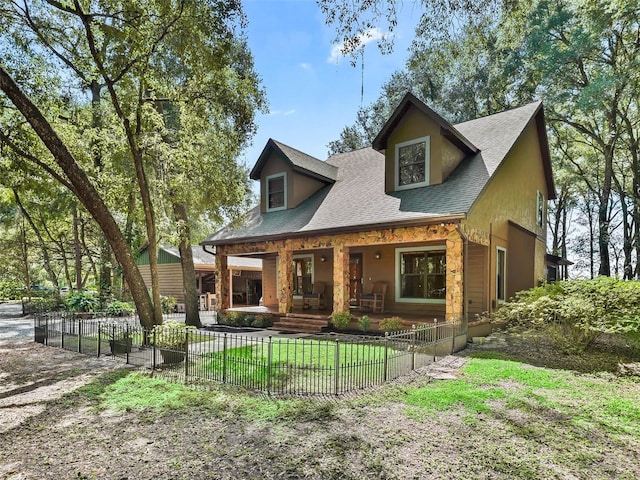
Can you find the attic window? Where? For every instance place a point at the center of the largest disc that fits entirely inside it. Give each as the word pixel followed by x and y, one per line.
pixel 412 163
pixel 276 192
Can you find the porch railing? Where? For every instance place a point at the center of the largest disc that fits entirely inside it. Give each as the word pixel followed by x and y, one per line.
pixel 290 366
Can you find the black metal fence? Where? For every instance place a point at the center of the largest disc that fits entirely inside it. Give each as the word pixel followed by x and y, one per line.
pixel 298 366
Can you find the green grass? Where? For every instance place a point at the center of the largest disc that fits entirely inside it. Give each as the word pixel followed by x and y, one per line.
pixel 584 401
pixel 249 365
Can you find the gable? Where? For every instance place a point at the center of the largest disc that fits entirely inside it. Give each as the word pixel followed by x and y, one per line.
pixel 358 200
pixel 420 147
pixel 288 176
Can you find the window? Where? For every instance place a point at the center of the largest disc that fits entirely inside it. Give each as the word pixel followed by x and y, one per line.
pixel 501 274
pixel 421 275
pixel 540 209
pixel 302 274
pixel 412 164
pixel 277 192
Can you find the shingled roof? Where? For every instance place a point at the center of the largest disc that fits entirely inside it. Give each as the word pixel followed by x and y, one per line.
pixel 357 200
pixel 299 161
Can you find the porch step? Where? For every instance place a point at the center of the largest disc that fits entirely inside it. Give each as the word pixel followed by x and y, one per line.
pixel 304 323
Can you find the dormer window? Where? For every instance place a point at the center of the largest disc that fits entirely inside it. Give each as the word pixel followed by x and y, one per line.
pixel 412 163
pixel 276 192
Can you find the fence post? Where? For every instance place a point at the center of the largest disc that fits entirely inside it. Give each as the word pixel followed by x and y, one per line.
pixel 153 364
pixel 79 335
pixel 112 344
pixel 224 359
pixel 413 347
pixel 453 337
pixel 435 339
pixel 269 357
pixel 127 343
pixel 336 361
pixel 386 355
pixel 62 330
pixel 46 329
pixel 99 340
pixel 186 354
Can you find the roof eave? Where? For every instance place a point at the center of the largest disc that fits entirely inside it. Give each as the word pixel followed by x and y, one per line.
pixel 380 142
pixel 451 218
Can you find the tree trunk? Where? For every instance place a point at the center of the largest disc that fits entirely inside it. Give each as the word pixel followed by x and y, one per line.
pixel 25 258
pixel 188 269
pixel 86 193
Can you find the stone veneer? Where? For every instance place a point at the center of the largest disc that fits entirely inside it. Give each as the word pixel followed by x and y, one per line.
pixel 341 243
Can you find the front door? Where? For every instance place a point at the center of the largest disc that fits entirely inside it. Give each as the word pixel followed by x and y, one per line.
pixel 355 278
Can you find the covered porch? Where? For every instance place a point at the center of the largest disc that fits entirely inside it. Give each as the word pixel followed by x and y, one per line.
pixel 421 267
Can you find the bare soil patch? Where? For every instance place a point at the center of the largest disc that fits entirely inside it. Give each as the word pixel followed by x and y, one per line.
pixel 48 432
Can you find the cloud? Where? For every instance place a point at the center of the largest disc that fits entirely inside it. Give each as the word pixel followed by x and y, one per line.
pixel 371 35
pixel 284 113
pixel 305 66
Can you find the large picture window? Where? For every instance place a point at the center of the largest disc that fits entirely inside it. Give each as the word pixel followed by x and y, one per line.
pixel 412 163
pixel 277 192
pixel 421 275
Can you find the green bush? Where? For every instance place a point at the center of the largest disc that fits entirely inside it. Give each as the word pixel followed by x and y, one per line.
pixel 262 321
pixel 364 323
pixel 168 304
pixel 341 320
pixel 172 335
pixel 391 324
pixel 573 313
pixel 117 308
pixel 82 302
pixel 11 290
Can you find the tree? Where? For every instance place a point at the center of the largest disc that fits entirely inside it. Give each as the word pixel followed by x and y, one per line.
pixel 127 50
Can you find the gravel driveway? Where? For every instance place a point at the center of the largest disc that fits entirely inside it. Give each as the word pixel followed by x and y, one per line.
pixel 14 327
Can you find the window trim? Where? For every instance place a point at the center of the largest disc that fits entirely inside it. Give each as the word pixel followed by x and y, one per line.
pixel 398 292
pixel 271 177
pixel 427 163
pixel 540 209
pixel 504 276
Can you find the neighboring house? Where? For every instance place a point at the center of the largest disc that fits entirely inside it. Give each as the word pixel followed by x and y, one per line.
pixel 450 218
pixel 241 272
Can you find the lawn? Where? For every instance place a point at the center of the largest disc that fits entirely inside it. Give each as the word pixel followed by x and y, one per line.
pixel 501 418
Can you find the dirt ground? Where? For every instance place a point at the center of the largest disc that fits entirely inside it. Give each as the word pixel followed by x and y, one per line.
pixel 45 433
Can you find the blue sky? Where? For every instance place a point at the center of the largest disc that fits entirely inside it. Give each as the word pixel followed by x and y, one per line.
pixel 312 93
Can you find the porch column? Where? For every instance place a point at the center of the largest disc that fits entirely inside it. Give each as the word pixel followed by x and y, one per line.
pixel 455 263
pixel 340 278
pixel 222 279
pixel 285 280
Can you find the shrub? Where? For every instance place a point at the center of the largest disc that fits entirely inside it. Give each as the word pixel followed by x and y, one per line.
pixel 364 323
pixel 82 302
pixel 391 324
pixel 172 335
pixel 234 319
pixel 168 304
pixel 117 308
pixel 11 290
pixel 572 314
pixel 262 321
pixel 341 320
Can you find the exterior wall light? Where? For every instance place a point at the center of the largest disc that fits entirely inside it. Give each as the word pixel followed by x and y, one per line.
pixel 323 258
pixel 378 255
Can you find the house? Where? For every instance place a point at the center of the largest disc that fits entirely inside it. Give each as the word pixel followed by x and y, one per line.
pixel 243 275
pixel 451 218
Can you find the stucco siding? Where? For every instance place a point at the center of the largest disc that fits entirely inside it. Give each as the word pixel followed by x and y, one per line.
pixel 511 196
